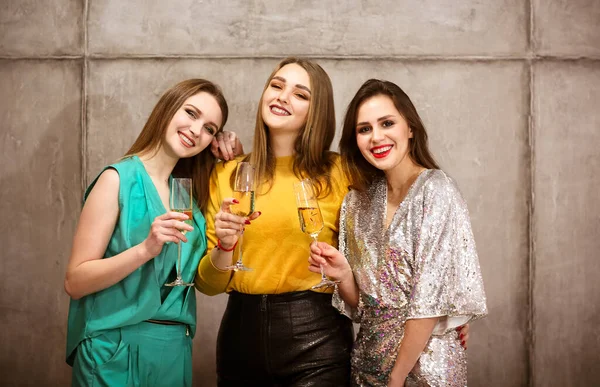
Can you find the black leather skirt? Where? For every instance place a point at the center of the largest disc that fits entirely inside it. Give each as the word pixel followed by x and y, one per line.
pixel 291 339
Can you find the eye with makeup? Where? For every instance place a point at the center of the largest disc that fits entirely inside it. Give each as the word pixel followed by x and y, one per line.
pixel 276 85
pixel 363 129
pixel 302 96
pixel 210 130
pixel 191 113
pixel 387 123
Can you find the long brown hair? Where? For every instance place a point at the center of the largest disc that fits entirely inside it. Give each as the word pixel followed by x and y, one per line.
pixel 151 138
pixel 311 156
pixel 360 172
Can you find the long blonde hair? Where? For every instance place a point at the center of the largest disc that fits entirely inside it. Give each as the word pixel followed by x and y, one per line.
pixel 311 156
pixel 151 138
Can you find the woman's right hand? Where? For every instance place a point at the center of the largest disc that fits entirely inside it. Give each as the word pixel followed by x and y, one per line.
pixel 335 265
pixel 165 228
pixel 228 226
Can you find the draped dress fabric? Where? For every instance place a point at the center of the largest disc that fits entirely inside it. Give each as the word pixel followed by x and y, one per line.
pixel 423 265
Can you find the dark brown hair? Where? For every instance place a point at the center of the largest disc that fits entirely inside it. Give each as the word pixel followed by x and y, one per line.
pixel 357 168
pixel 311 156
pixel 151 138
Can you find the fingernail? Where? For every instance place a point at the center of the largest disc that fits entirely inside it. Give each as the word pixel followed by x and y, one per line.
pixel 247 221
pixel 458 329
pixel 258 212
pixel 462 343
pixel 236 201
pixel 461 336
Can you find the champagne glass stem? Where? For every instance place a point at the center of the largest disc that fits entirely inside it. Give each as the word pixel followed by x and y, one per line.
pixel 323 276
pixel 240 241
pixel 179 260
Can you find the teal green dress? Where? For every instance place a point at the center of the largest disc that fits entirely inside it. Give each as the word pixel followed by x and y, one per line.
pixel 108 342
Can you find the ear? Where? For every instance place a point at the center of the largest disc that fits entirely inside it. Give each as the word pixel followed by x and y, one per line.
pixel 410 132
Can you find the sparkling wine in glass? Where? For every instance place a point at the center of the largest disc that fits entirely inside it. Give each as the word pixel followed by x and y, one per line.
pixel 311 220
pixel 243 192
pixel 181 201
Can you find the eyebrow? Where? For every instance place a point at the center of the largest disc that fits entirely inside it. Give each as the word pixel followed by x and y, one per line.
pixel 378 120
pixel 210 123
pixel 297 85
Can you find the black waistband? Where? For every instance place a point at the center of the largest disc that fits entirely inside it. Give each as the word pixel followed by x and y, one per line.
pixel 281 297
pixel 164 322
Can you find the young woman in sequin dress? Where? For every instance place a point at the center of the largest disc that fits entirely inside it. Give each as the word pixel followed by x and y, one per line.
pixel 407 262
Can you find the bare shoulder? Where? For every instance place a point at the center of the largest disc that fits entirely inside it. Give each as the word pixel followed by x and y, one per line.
pixel 106 186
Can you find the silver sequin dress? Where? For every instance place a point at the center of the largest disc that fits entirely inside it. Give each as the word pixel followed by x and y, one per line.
pixel 424 265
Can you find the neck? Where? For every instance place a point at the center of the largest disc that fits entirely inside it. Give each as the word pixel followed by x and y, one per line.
pixel 401 178
pixel 282 144
pixel 158 164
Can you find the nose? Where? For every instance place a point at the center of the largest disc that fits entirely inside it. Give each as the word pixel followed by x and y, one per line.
pixel 195 128
pixel 284 96
pixel 378 134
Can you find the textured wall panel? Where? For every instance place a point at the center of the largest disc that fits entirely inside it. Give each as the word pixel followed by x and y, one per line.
pixel 567 27
pixel 270 27
pixel 40 199
pixel 567 219
pixel 41 28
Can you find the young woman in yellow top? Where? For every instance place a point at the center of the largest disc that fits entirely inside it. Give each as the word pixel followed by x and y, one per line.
pixel 276 330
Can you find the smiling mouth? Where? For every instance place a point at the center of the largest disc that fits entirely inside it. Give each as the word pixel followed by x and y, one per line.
pixel 186 140
pixel 279 111
pixel 381 151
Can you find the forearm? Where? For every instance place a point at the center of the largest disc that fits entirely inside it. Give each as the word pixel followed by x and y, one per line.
pixel 212 277
pixel 221 259
pixel 98 274
pixel 348 290
pixel 416 335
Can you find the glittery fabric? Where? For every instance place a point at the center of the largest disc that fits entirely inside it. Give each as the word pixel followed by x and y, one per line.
pixel 424 265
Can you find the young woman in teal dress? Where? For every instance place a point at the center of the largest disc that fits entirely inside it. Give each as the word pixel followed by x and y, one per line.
pixel 126 328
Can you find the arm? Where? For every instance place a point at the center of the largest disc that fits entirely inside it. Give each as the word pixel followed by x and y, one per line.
pixel 87 271
pixel 416 335
pixel 336 267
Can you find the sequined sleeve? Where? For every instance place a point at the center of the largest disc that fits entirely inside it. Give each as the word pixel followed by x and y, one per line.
pixel 337 300
pixel 447 277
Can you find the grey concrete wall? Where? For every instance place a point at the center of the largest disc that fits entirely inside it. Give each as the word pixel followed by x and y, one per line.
pixel 508 90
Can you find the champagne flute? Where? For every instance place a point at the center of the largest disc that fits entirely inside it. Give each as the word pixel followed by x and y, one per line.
pixel 181 201
pixel 243 192
pixel 311 220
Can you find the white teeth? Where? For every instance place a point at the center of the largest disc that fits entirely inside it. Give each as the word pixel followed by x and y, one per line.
pixel 186 140
pixel 277 110
pixel 382 150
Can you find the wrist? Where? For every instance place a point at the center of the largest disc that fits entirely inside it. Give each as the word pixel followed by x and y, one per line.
pixel 224 247
pixel 143 252
pixel 397 378
pixel 347 276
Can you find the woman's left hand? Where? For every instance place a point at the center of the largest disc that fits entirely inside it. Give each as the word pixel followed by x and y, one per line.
pixel 463 335
pixel 226 145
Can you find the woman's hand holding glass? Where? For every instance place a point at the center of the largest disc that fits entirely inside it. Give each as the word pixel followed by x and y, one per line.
pixel 165 228
pixel 228 227
pixel 334 264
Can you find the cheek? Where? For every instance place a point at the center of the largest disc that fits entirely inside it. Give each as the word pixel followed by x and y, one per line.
pixel 363 146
